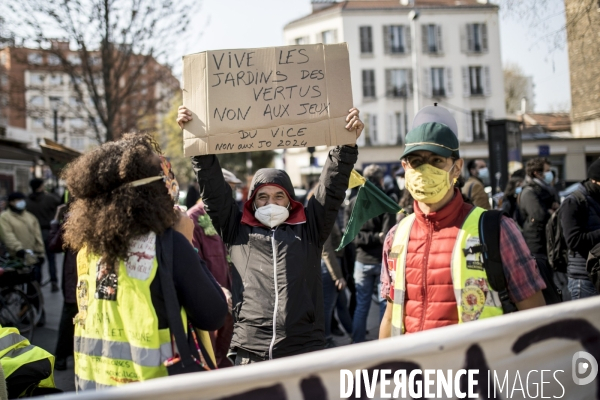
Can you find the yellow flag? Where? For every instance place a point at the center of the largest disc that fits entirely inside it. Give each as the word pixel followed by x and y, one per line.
pixel 356 179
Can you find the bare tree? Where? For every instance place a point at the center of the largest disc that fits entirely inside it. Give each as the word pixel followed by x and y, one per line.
pixel 109 50
pixel 550 20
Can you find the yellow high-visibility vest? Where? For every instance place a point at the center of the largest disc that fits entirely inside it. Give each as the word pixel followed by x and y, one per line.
pixel 475 298
pixel 16 351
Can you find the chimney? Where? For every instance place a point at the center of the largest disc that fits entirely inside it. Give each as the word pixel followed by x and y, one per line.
pixel 321 4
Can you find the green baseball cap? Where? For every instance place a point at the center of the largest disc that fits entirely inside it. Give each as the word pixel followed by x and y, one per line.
pixel 435 137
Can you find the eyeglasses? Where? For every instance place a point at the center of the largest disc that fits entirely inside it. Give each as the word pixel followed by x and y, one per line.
pixel 415 161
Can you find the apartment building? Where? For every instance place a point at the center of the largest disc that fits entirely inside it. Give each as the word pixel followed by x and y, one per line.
pixel 34 88
pixel 449 53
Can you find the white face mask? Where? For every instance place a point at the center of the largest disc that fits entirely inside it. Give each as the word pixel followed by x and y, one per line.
pixel 20 205
pixel 271 215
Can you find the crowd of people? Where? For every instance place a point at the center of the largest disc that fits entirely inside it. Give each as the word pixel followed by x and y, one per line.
pixel 231 283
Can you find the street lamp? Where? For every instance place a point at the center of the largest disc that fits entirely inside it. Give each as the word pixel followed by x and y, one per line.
pixel 54 104
pixel 413 15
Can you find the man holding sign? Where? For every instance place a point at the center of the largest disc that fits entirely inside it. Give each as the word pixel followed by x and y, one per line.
pixel 275 245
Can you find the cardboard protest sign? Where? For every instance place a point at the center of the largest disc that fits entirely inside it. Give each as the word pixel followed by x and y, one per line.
pixel 267 99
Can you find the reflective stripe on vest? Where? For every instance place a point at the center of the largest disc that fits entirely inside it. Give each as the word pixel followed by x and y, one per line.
pixel 16 351
pixel 117 340
pixel 474 297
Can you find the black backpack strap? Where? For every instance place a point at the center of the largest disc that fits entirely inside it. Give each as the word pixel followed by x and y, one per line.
pixel 164 251
pixel 471 191
pixel 489 233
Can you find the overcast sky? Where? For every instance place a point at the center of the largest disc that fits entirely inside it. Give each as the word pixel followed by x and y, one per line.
pixel 259 23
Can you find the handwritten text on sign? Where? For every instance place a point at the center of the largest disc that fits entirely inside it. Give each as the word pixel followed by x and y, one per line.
pixel 263 99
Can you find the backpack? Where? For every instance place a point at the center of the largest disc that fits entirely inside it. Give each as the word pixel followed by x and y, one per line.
pixel 489 228
pixel 556 245
pixel 593 266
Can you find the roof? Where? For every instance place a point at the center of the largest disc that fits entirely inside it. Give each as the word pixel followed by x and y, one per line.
pixel 386 5
pixel 18 151
pixel 546 122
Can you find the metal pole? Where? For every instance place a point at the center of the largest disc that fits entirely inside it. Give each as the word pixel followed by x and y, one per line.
pixel 56 125
pixel 414 15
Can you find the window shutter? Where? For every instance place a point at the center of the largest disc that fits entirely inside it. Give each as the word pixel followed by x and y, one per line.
pixel 386 39
pixel 484 37
pixel 487 84
pixel 466 82
pixel 449 88
pixel 427 84
pixel 470 38
pixel 438 29
pixel 388 83
pixel 424 39
pixel 391 129
pixel 463 38
pixel 407 39
pixel 468 127
pixel 374 131
pixel 409 86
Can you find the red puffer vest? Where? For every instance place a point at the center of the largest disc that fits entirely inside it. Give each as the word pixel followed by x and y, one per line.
pixel 430 301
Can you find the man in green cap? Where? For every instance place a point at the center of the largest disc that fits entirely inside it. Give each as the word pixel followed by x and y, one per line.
pixel 427 278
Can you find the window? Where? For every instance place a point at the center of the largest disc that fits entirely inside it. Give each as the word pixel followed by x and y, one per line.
pixel 37 122
pixel 34 58
pixel 368 78
pixel 476 80
pixel 373 131
pixel 477 41
pixel 53 59
pixel 3 80
pixel 74 59
pixel 432 38
pixel 73 101
pixel 397 82
pixel 328 37
pixel 77 123
pixel 37 101
pixel 301 40
pixel 478 124
pixel 36 79
pixel 366 40
pixel 437 82
pixel 396 39
pixel 77 143
pixel 55 80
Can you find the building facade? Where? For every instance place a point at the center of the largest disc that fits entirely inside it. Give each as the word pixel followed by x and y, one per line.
pixel 583 20
pixel 34 87
pixel 454 45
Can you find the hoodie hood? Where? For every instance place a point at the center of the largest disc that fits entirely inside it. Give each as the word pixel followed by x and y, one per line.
pixel 273 177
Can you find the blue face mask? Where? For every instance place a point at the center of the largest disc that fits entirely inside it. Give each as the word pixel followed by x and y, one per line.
pixel 548 177
pixel 518 190
pixel 484 174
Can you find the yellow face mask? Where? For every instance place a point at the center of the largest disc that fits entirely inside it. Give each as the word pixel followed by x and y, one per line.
pixel 427 183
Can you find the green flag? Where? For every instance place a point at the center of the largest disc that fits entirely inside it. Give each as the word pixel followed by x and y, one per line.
pixel 371 202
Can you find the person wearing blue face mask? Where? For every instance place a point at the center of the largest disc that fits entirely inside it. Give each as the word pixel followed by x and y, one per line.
pixel 21 234
pixel 474 188
pixel 537 202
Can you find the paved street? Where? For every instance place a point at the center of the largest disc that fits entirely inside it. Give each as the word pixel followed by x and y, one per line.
pixel 47 336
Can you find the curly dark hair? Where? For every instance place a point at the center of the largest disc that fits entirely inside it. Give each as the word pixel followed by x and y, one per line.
pixel 536 165
pixel 107 214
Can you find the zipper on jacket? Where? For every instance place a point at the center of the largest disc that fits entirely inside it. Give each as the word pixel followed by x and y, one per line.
pixel 276 294
pixel 424 270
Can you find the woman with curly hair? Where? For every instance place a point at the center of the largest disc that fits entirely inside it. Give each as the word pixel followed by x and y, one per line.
pixel 127 232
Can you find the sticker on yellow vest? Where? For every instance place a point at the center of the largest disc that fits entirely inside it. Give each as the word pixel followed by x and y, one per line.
pixel 474 295
pixel 142 252
pixel 474 260
pixel 107 282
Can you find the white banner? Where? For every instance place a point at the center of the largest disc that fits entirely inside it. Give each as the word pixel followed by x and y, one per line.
pixel 549 352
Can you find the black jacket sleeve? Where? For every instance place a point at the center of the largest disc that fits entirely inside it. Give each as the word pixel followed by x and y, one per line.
pixel 217 197
pixel 574 220
pixel 198 292
pixel 322 208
